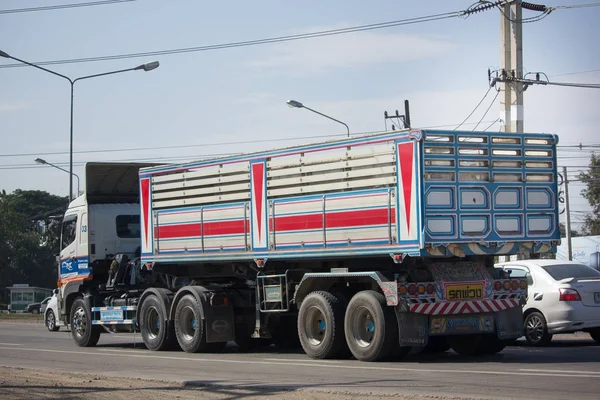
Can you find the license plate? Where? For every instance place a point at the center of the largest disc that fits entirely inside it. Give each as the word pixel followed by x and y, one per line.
pixel 464 292
pixel 597 297
pixel 111 315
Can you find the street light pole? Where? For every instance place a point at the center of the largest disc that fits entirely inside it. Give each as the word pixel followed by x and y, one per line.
pixel 42 161
pixel 144 67
pixel 297 104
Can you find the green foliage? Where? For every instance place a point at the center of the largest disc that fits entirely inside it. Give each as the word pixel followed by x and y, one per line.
pixel 563 231
pixel 592 194
pixel 27 253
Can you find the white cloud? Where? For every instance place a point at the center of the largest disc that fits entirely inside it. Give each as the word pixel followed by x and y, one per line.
pixel 310 57
pixel 9 107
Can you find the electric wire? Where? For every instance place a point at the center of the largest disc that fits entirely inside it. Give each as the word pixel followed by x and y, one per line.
pixel 492 124
pixel 475 109
pixel 488 109
pixel 276 39
pixel 63 6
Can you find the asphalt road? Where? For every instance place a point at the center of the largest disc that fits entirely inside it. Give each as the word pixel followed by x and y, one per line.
pixel 570 368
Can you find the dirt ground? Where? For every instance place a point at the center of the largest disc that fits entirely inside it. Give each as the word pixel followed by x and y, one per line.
pixel 21 384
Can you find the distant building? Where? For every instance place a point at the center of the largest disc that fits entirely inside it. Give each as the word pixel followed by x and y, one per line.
pixel 584 249
pixel 22 294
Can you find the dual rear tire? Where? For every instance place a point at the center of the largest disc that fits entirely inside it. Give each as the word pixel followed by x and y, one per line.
pixel 365 328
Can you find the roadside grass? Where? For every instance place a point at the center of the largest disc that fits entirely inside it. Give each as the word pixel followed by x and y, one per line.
pixel 24 316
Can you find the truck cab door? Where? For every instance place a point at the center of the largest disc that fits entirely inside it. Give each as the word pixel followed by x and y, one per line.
pixel 69 245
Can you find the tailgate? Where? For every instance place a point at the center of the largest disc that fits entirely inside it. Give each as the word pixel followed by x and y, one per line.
pixel 490 192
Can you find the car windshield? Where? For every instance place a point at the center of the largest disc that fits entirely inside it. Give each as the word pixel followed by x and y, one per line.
pixel 564 271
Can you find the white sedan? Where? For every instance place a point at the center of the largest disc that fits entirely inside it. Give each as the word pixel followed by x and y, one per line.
pixel 562 297
pixel 51 319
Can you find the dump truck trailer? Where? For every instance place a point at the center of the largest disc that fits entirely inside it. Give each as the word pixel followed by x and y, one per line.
pixel 371 247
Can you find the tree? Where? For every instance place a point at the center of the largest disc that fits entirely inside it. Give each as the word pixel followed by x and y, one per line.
pixel 592 194
pixel 563 231
pixel 25 255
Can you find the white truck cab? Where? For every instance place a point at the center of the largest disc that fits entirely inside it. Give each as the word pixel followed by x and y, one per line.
pixel 102 222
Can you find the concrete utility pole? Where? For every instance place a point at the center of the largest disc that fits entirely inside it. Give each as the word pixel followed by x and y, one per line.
pixel 568 216
pixel 511 65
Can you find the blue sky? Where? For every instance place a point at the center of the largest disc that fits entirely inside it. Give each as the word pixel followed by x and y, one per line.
pixel 209 102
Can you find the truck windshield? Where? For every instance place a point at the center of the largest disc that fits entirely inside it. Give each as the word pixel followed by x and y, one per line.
pixel 128 226
pixel 564 271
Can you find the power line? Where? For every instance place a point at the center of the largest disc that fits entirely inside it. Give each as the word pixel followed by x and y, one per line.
pixel 492 124
pixel 276 39
pixel 488 110
pixel 62 6
pixel 577 73
pixel 132 149
pixel 476 107
pixel 579 5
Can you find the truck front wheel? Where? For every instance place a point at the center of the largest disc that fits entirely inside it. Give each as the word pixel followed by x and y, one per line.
pixel 321 326
pixel 371 327
pixel 153 324
pixel 82 330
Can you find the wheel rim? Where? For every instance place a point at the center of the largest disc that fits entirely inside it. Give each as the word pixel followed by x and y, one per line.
pixel 50 322
pixel 188 323
pixel 315 327
pixel 363 327
pixel 79 322
pixel 535 328
pixel 153 323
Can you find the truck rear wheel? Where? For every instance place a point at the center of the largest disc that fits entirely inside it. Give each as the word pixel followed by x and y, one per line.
pixel 84 333
pixel 154 325
pixel 189 325
pixel 436 345
pixel 493 345
pixel 321 326
pixel 468 345
pixel 371 327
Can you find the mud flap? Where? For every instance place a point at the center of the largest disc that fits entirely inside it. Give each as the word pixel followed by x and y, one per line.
pixel 412 328
pixel 219 323
pixel 509 323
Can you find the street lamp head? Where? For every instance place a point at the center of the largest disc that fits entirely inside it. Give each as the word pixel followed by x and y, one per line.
pixel 148 67
pixel 3 54
pixel 295 104
pixel 40 161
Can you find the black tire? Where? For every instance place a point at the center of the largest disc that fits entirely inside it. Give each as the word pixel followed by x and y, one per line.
pixel 189 325
pixel 467 345
pixel 50 321
pixel 595 334
pixel 371 327
pixel 436 345
pixel 321 326
pixel 536 330
pixel 84 333
pixel 154 324
pixel 492 344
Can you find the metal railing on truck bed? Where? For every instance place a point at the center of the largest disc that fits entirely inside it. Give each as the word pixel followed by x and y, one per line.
pixel 431 193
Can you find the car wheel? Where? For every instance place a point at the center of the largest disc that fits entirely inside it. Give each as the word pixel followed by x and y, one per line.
pixel 536 330
pixel 51 321
pixel 595 334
